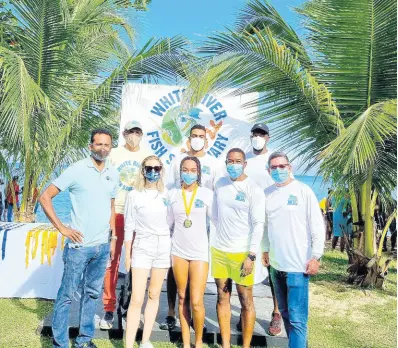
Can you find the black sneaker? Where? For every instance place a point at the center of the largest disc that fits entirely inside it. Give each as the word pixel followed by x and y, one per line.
pixel 85 345
pixel 191 324
pixel 169 323
pixel 106 322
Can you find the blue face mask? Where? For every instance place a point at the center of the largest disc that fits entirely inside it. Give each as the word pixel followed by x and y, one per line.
pixel 235 170
pixel 152 176
pixel 280 175
pixel 189 178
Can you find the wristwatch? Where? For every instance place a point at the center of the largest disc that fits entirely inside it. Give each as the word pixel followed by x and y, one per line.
pixel 252 257
pixel 114 237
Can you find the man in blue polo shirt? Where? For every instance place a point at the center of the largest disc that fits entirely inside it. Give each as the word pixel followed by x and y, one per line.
pixel 92 184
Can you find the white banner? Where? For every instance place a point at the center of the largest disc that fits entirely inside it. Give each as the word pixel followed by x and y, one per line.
pixel 166 127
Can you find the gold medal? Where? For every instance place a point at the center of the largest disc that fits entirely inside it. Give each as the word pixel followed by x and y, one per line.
pixel 188 208
pixel 187 223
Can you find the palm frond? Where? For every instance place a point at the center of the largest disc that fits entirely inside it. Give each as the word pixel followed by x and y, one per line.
pixel 260 14
pixel 354 44
pixel 301 111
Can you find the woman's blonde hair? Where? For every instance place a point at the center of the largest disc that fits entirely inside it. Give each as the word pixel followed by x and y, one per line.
pixel 141 180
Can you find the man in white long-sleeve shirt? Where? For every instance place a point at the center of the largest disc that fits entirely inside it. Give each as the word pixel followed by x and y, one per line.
pixel 239 218
pixel 293 242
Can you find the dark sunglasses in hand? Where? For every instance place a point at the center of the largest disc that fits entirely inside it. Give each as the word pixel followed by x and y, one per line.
pixel 280 166
pixel 157 169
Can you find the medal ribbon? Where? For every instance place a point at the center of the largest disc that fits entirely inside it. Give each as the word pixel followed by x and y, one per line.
pixel 188 208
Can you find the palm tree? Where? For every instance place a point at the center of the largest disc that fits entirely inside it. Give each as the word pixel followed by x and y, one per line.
pixel 329 94
pixel 63 77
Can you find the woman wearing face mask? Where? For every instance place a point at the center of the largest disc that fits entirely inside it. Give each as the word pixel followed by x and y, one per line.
pixel 146 215
pixel 189 208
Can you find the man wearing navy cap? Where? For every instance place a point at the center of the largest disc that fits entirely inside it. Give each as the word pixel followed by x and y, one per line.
pixel 256 169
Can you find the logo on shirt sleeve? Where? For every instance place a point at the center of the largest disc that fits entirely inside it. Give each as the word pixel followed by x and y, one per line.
pixel 199 203
pixel 206 170
pixel 292 200
pixel 241 197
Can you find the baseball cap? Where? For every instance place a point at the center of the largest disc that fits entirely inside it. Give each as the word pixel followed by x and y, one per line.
pixel 260 126
pixel 132 124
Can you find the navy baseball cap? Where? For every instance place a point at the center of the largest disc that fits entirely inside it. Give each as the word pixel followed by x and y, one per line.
pixel 260 126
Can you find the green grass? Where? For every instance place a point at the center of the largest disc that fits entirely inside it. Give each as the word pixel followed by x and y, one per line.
pixel 340 314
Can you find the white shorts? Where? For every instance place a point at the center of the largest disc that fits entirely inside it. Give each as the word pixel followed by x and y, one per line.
pixel 151 251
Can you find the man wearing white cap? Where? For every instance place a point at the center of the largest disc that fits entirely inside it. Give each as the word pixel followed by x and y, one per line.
pixel 256 169
pixel 126 159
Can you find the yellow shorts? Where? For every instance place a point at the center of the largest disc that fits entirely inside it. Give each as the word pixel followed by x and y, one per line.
pixel 228 265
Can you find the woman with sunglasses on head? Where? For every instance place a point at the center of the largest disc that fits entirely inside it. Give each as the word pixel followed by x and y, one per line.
pixel 146 215
pixel 188 211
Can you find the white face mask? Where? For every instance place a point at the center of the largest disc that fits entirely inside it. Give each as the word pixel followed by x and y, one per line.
pixel 258 143
pixel 133 140
pixel 197 144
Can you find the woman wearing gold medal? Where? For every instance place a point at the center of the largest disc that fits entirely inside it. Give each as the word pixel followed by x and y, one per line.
pixel 189 209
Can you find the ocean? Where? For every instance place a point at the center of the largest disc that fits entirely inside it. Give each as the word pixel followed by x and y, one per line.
pixel 62 203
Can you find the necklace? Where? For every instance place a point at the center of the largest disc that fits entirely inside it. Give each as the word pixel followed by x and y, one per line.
pixel 188 207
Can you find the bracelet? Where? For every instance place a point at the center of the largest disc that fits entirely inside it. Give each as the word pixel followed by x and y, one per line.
pixel 114 237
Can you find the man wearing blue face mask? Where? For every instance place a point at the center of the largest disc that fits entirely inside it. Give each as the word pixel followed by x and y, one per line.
pixel 293 243
pixel 238 209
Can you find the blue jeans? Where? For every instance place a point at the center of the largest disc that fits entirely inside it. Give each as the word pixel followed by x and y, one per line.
pixel 292 294
pixel 89 262
pixel 10 212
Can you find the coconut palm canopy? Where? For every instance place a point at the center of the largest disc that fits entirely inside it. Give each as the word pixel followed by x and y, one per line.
pixel 62 65
pixel 316 87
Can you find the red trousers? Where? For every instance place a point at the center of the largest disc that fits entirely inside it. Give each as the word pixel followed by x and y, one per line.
pixel 112 271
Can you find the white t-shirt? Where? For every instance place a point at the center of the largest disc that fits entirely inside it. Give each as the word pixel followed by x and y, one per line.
pixel 146 213
pixel 211 171
pixel 294 228
pixel 256 169
pixel 190 243
pixel 127 164
pixel 238 211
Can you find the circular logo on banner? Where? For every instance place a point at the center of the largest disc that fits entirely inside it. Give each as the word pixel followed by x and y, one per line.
pixel 169 136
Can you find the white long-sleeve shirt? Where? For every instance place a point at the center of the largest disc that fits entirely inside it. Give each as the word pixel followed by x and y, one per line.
pixel 145 213
pixel 238 209
pixel 294 230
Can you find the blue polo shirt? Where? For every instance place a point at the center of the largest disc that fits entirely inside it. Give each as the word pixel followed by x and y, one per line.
pixel 91 192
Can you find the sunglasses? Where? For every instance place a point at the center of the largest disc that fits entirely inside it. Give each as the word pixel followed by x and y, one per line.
pixel 157 169
pixel 280 166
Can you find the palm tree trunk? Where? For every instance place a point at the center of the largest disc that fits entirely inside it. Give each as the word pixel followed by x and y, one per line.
pixel 366 203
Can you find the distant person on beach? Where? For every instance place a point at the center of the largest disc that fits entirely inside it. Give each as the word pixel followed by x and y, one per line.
pixel 329 214
pixel 13 186
pixel 256 169
pixel 293 244
pixel 1 199
pixel 341 221
pixel 92 184
pixel 148 253
pixel 127 160
pixel 239 211
pixel 190 207
pixel 211 171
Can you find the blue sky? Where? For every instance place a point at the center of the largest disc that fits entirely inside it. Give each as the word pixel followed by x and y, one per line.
pixel 195 19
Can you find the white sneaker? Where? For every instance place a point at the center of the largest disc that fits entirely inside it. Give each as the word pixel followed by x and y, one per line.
pixel 107 320
pixel 147 344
